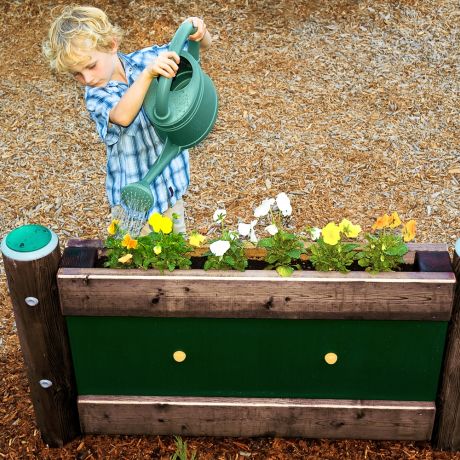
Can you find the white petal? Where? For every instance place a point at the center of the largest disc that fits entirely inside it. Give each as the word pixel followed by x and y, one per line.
pixel 253 236
pixel 272 229
pixel 315 233
pixel 244 229
pixel 219 248
pixel 283 203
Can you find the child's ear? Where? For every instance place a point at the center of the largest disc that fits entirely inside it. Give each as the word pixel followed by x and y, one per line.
pixel 114 45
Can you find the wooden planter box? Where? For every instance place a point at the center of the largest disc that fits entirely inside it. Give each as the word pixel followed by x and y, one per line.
pixel 255 346
pixel 223 353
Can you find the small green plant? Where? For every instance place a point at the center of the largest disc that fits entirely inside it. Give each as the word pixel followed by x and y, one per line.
pixel 161 249
pixel 182 450
pixel 330 252
pixel 227 251
pixel 384 249
pixel 283 248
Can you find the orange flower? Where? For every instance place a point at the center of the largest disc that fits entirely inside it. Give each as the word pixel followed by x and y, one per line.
pixel 382 222
pixel 128 242
pixel 409 231
pixel 395 221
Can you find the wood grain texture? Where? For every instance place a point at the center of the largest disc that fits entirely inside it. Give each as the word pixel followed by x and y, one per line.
pixel 447 431
pixel 257 417
pixel 256 294
pixel 44 343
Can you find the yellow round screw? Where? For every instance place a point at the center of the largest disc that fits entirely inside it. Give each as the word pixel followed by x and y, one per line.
pixel 179 356
pixel 330 358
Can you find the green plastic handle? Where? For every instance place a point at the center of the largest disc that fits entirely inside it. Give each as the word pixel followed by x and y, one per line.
pixel 164 84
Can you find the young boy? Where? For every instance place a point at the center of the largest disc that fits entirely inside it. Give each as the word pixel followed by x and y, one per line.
pixel 83 42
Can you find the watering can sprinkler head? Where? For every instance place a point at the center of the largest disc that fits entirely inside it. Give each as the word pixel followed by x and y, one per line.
pixel 137 197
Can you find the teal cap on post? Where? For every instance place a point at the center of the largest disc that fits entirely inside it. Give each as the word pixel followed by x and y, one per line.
pixel 29 242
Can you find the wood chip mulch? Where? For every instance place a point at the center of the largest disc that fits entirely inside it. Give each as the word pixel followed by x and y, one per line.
pixel 350 106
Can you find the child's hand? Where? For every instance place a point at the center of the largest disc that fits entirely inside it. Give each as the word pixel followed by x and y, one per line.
pixel 199 24
pixel 166 65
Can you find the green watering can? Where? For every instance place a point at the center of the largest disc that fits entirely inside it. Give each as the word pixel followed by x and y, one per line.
pixel 183 111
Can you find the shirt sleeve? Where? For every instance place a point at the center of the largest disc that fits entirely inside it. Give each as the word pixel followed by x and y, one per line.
pixel 147 55
pixel 99 102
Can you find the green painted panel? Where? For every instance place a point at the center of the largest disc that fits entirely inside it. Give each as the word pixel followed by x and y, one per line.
pixel 393 360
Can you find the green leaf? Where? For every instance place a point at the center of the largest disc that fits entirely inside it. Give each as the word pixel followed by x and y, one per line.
pixel 284 271
pixel 397 250
pixel 265 243
pixel 294 254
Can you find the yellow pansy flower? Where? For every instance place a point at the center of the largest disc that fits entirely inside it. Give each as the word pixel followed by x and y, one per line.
pixel 196 239
pixel 395 221
pixel 348 229
pixel 331 233
pixel 112 228
pixel 126 259
pixel 160 223
pixel 157 250
pixel 409 231
pixel 128 242
pixel 382 222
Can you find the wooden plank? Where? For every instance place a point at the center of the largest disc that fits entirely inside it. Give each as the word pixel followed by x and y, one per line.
pixel 447 430
pixel 256 294
pixel 257 417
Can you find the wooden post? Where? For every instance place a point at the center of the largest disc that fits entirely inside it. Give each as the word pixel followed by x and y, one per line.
pixel 31 255
pixel 447 425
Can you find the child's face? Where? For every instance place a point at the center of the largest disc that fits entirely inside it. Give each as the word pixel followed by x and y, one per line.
pixel 98 70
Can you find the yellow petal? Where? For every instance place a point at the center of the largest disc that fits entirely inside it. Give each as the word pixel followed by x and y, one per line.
pixel 381 222
pixel 155 221
pixel 166 225
pixel 331 233
pixel 409 231
pixel 129 242
pixel 125 259
pixel 395 221
pixel 196 239
pixel 112 228
pixel 348 229
pixel 157 250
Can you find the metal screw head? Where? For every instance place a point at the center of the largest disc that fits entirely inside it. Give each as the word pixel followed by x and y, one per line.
pixel 45 383
pixel 31 301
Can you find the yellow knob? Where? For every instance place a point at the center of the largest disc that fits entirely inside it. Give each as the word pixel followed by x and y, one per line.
pixel 179 356
pixel 330 358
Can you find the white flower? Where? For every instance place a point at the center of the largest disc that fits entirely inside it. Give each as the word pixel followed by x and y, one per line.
pixel 315 233
pixel 248 230
pixel 264 208
pixel 283 203
pixel 219 215
pixel 272 229
pixel 219 248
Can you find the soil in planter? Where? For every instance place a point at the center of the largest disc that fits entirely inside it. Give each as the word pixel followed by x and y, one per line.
pixel 198 264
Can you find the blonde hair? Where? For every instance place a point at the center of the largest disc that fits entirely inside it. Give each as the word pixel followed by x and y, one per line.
pixel 76 30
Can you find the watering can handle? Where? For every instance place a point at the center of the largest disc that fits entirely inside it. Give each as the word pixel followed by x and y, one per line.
pixel 164 84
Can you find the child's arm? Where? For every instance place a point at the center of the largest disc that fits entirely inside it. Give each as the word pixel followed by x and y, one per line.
pixel 166 64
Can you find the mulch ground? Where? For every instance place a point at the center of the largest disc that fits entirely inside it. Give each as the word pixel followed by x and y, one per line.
pixel 351 107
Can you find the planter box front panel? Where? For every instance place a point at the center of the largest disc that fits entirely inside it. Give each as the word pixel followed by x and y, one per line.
pixel 385 360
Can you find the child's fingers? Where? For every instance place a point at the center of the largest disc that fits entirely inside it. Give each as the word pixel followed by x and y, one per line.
pixel 167 69
pixel 199 24
pixel 172 55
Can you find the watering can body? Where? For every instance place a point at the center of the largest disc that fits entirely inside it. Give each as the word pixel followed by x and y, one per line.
pixel 183 111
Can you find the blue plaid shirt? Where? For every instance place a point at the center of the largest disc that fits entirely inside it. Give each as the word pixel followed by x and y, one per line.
pixel 132 150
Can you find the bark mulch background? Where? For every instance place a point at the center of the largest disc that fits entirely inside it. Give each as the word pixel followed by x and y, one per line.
pixel 351 107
